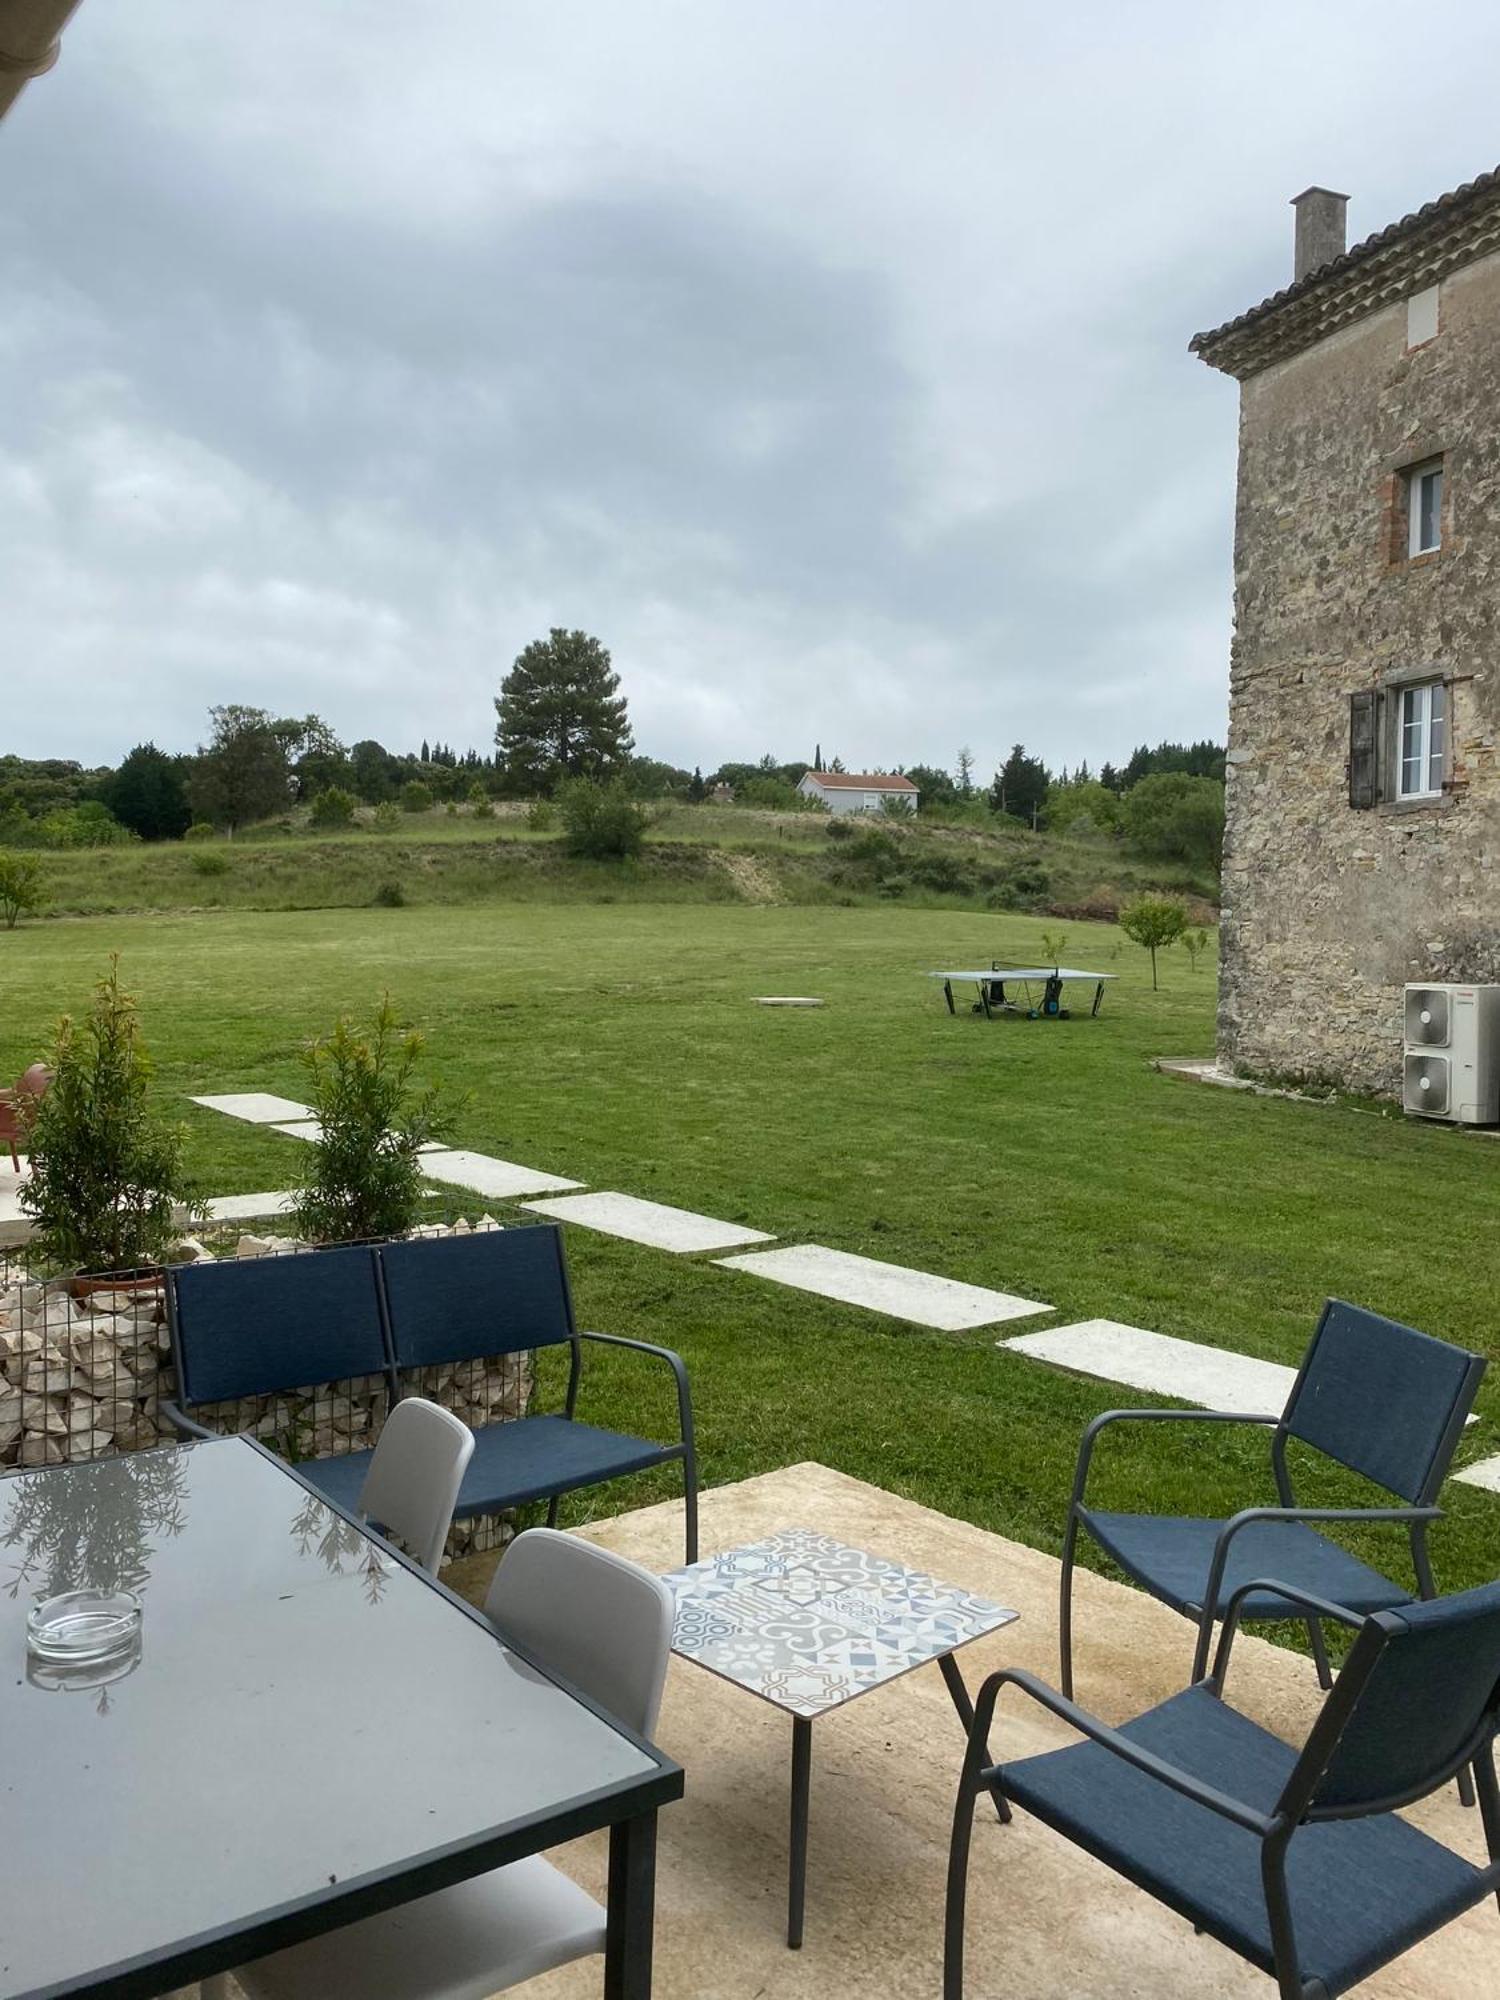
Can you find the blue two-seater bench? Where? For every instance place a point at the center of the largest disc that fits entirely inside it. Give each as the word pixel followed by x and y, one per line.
pixel 285 1325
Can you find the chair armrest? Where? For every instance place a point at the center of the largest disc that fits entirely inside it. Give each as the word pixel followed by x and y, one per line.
pixel 1247 1515
pixel 182 1423
pixel 1090 1436
pixel 673 1361
pixel 1321 1607
pixel 1146 1761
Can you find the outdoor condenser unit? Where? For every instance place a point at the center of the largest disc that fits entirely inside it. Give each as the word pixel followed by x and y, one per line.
pixel 1451 1065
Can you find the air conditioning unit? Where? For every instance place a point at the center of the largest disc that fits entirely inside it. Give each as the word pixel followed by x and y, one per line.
pixel 1451 1065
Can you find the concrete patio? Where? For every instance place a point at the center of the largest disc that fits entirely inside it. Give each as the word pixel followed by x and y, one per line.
pixel 1046 1922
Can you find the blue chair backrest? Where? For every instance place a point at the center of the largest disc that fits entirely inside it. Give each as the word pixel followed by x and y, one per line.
pixel 1433 1682
pixel 250 1326
pixel 463 1298
pixel 1383 1399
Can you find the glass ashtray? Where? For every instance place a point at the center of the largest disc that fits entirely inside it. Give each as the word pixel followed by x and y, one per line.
pixel 82 1626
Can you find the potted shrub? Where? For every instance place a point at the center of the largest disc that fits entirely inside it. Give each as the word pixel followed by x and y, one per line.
pixel 106 1175
pixel 363 1176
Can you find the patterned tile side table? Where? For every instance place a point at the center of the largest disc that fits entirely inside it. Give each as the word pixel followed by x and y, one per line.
pixel 808 1624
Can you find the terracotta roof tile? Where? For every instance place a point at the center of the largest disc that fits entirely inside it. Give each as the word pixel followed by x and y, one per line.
pixel 1246 342
pixel 862 781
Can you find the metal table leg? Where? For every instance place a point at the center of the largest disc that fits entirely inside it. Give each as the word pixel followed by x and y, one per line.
pixel 948 995
pixel 796 1891
pixel 965 1707
pixel 632 1908
pixel 1098 996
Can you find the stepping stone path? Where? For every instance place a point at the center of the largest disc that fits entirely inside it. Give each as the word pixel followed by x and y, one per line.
pixel 885 1288
pixel 1484 1473
pixel 502 1179
pixel 1161 1364
pixel 649 1222
pixel 256 1107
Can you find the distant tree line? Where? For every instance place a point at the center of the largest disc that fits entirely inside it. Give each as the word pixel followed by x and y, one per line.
pixel 562 720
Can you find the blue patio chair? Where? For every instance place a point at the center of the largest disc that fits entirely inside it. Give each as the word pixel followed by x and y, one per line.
pixel 1296 1860
pixel 270 1326
pixel 1379 1398
pixel 463 1299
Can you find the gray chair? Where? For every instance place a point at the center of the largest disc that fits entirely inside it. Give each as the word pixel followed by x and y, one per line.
pixel 1298 1861
pixel 412 1485
pixel 601 1623
pixel 1377 1397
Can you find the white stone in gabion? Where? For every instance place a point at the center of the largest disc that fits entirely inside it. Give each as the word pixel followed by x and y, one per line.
pixel 36 1450
pixel 46 1373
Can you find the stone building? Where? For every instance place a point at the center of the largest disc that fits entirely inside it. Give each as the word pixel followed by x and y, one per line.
pixel 1363 814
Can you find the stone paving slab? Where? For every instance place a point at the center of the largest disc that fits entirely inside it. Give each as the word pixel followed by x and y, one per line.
pixel 1162 1365
pixel 1215 1377
pixel 1485 1473
pixel 250 1207
pixel 256 1107
pixel 480 1174
pixel 300 1128
pixel 918 1296
pixel 649 1222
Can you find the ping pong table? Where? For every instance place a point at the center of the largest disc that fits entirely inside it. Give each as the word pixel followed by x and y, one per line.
pixel 993 997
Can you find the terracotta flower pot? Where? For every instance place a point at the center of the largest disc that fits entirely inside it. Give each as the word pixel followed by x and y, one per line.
pixel 144 1280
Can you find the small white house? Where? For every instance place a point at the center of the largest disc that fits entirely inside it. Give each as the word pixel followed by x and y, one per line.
pixel 857 791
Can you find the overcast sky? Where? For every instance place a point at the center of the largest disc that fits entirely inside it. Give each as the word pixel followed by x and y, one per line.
pixel 826 358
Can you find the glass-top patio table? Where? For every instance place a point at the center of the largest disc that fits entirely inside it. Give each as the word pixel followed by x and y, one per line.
pixel 809 1624
pixel 310 1731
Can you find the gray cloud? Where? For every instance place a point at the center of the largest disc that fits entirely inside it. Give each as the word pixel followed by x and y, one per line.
pixel 829 363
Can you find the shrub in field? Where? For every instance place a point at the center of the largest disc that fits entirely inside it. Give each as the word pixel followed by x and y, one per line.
pixel 603 823
pixel 479 800
pixel 387 816
pixel 1193 943
pixel 201 829
pixel 416 797
pixel 1020 885
pixel 106 1172
pixel 21 893
pixel 1155 923
pixel 540 815
pixel 390 896
pixel 333 808
pixel 210 861
pixel 363 1176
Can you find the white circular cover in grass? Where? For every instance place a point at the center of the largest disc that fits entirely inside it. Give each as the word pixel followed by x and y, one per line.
pixel 786 1000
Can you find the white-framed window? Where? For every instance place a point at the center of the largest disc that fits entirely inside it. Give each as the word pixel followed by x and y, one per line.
pixel 1421 744
pixel 1424 508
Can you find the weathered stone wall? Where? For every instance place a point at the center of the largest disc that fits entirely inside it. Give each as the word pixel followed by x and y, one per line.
pixel 1328 909
pixel 84 1378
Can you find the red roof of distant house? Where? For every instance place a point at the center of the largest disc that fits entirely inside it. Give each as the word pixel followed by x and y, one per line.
pixel 862 781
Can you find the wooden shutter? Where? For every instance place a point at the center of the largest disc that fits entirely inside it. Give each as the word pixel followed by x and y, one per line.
pixel 1364 748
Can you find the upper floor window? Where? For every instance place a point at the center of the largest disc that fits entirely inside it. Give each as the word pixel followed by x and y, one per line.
pixel 1424 508
pixel 1421 740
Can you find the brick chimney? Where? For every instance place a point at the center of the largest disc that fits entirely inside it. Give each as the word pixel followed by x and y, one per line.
pixel 1321 229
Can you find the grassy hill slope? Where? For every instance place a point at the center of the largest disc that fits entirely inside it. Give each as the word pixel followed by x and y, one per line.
pixel 694 854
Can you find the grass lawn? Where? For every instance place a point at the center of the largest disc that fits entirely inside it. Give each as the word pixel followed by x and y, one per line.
pixel 619 1044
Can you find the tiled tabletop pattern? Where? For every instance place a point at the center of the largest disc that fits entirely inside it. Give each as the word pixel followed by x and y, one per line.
pixel 808 1623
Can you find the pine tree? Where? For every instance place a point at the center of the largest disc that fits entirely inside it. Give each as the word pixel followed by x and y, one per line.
pixel 148 795
pixel 426 752
pixel 561 714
